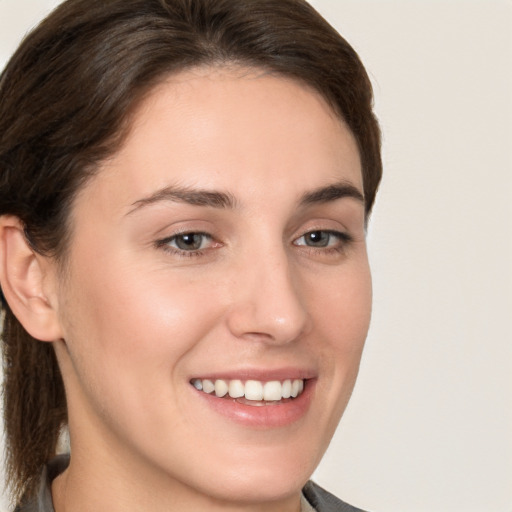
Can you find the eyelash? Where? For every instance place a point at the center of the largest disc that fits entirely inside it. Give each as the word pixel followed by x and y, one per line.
pixel 344 239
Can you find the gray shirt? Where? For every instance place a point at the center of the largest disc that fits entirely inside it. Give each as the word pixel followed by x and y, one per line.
pixel 313 496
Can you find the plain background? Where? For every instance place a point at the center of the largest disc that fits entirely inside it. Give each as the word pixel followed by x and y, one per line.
pixel 429 428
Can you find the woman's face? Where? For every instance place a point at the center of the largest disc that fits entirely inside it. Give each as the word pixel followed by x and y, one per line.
pixel 224 243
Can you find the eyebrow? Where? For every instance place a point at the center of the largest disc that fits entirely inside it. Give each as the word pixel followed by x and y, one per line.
pixel 225 200
pixel 213 199
pixel 332 193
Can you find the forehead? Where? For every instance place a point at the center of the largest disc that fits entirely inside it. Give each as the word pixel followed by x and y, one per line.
pixel 233 128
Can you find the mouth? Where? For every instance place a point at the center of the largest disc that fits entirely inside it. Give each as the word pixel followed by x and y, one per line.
pixel 252 392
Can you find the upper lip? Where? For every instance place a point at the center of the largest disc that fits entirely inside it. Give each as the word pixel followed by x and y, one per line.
pixel 260 374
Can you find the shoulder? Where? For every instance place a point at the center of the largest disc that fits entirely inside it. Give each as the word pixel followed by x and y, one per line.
pixel 323 501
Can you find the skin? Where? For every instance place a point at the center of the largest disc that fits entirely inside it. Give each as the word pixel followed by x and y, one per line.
pixel 138 318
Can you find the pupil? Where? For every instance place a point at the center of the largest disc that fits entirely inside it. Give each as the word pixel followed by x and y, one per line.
pixel 189 241
pixel 318 238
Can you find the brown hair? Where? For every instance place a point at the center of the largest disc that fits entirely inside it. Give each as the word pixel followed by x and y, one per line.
pixel 66 97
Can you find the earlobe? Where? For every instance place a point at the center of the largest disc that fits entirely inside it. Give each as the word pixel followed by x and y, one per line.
pixel 24 277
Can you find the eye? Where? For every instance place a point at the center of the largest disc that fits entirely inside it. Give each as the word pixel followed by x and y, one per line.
pixel 188 242
pixel 323 239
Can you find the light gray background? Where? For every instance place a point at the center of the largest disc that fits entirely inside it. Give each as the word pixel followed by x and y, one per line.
pixel 429 428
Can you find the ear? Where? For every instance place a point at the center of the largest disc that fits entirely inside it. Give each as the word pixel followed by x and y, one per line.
pixel 28 282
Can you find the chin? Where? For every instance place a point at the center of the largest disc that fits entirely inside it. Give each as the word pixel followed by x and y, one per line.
pixel 263 476
pixel 251 487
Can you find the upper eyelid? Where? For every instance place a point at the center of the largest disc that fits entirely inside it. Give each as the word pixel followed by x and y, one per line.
pixel 169 227
pixel 183 231
pixel 334 231
pixel 320 222
pixel 188 232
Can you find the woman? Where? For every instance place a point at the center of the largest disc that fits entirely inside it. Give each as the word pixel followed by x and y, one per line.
pixel 184 194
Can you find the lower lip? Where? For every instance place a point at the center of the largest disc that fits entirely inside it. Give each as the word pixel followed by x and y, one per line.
pixel 263 416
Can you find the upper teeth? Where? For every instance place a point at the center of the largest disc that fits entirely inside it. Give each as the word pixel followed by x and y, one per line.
pixel 251 389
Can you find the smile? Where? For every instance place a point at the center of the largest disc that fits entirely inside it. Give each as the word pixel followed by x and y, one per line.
pixel 255 391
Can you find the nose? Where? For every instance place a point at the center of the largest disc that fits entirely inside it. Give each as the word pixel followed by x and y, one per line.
pixel 268 304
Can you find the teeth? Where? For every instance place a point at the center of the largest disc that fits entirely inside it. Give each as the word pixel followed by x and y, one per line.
pixel 272 391
pixel 221 388
pixel 295 388
pixel 287 388
pixel 236 389
pixel 208 386
pixel 254 390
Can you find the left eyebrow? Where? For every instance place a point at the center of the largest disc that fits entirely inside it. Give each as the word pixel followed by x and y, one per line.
pixel 331 193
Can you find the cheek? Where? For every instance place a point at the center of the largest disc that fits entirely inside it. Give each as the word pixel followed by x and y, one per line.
pixel 341 312
pixel 341 307
pixel 135 301
pixel 129 339
pixel 130 328
pixel 350 323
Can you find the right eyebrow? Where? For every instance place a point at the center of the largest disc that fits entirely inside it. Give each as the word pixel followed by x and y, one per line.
pixel 194 197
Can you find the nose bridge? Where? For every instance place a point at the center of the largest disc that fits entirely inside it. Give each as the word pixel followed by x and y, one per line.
pixel 268 303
